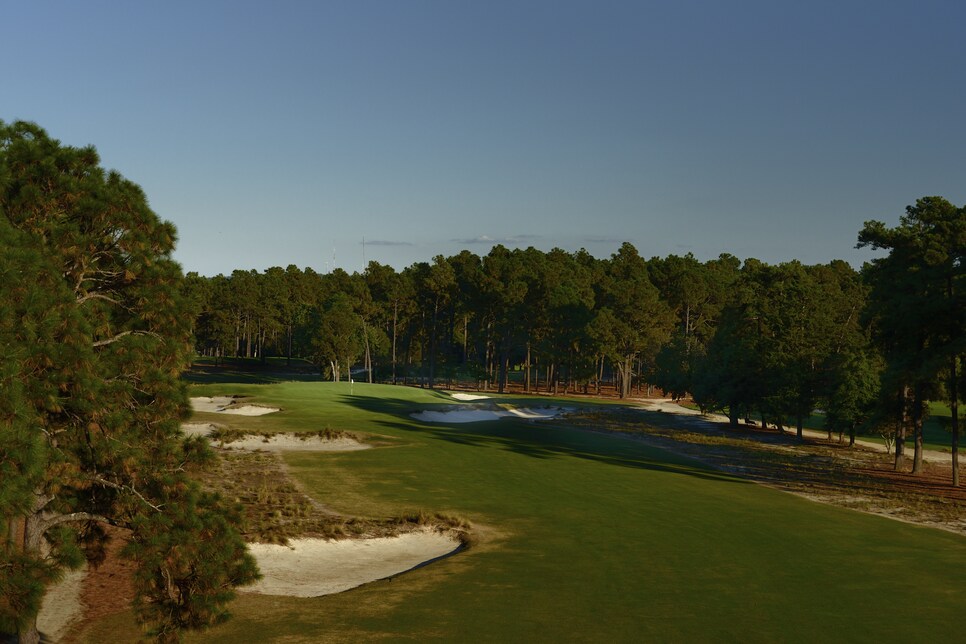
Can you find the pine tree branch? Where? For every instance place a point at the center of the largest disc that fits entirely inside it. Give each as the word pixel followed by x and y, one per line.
pixel 125 488
pixel 76 517
pixel 102 343
pixel 97 296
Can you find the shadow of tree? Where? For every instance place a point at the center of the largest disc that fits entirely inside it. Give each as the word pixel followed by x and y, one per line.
pixel 533 439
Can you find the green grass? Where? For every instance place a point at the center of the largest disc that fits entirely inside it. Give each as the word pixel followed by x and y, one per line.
pixel 589 537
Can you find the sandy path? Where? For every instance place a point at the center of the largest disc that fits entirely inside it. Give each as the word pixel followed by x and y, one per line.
pixel 61 606
pixel 313 567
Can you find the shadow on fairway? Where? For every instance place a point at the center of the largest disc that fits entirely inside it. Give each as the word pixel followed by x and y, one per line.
pixel 209 374
pixel 541 439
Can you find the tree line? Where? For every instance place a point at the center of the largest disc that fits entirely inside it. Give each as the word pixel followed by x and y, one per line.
pixel 773 342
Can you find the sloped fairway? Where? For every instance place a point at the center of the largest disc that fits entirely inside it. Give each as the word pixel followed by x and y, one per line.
pixel 590 537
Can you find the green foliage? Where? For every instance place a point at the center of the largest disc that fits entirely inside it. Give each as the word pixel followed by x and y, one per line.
pixel 182 582
pixel 918 308
pixel 95 335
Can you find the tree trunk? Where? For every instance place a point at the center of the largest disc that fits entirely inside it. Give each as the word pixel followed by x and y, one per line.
pixel 901 429
pixel 33 535
pixel 626 378
pixel 600 375
pixel 432 347
pixel 917 408
pixel 954 408
pixel 526 385
pixel 288 357
pixel 395 314
pixel 503 375
pixel 800 428
pixel 365 337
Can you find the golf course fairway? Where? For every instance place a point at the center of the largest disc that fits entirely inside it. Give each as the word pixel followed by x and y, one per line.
pixel 584 536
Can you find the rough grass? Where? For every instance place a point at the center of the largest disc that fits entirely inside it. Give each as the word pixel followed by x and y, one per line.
pixel 275 508
pixel 226 435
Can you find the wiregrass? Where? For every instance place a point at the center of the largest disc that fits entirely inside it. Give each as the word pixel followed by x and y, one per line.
pixel 584 536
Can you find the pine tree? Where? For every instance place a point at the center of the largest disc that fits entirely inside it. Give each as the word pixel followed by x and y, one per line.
pixel 918 310
pixel 95 334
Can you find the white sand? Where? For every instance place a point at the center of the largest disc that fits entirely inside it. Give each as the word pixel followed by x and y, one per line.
pixel 226 405
pixel 477 415
pixel 290 443
pixel 457 416
pixel 61 606
pixel 542 413
pixel 469 396
pixel 313 567
pixel 250 410
pixel 197 429
pixel 215 404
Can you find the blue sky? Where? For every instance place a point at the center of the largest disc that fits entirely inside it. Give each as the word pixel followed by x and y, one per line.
pixel 287 132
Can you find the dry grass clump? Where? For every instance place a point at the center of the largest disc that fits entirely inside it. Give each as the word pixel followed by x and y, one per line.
pixel 439 521
pixel 274 509
pixel 227 435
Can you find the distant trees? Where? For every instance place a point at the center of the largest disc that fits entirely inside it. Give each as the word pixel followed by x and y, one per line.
pixel 557 318
pixel 95 327
pixel 775 341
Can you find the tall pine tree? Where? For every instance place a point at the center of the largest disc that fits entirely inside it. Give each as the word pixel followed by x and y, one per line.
pixel 95 334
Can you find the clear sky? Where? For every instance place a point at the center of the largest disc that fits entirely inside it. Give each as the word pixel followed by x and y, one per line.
pixel 276 133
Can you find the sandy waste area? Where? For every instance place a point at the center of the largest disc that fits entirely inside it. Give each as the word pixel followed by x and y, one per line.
pixel 278 442
pixel 290 443
pixel 61 606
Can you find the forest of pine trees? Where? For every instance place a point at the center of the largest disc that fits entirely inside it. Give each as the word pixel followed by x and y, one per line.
pixel 773 342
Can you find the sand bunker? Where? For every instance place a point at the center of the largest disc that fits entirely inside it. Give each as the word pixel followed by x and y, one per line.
pixel 469 396
pixel 226 405
pixel 313 567
pixel 478 415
